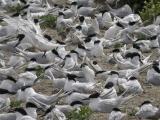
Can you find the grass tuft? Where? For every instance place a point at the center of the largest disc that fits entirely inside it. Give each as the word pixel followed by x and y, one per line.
pixel 49 21
pixel 15 104
pixel 83 113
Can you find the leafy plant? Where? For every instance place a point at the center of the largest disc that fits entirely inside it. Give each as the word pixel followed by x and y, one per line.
pixel 150 10
pixel 15 104
pixel 80 114
pixel 48 21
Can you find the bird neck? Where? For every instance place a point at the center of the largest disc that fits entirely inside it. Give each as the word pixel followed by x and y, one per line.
pixel 136 60
pixel 29 92
pixel 95 100
pixel 61 17
pixel 18 116
pixel 32 112
pixel 74 8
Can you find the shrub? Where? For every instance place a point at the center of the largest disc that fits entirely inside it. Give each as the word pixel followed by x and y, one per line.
pixel 80 114
pixel 150 10
pixel 48 21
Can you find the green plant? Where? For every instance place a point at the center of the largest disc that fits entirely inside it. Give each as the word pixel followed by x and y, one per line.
pixel 39 71
pixel 14 9
pixel 15 104
pixel 80 114
pixel 150 10
pixel 48 21
pixel 118 45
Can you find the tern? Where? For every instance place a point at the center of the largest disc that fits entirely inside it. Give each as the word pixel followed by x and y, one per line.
pixel 116 114
pixel 148 111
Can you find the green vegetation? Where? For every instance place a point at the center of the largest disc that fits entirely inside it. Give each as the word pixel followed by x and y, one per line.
pixel 15 104
pixel 48 21
pixel 150 10
pixel 14 9
pixel 39 71
pixel 80 114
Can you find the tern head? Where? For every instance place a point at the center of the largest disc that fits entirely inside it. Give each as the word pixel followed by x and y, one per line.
pixel 54 51
pixel 4 91
pixel 25 7
pixel 109 85
pixel 30 105
pixel 97 42
pixel 80 6
pixel 55 5
pixel 92 35
pixel 155 66
pixel 145 103
pixel 81 19
pixel 24 14
pixel 100 72
pixel 74 3
pixel 116 51
pixel 88 39
pixel 116 109
pixel 23 88
pixel 153 37
pixel 11 79
pixel 136 46
pixel 120 25
pixel 36 21
pixel 131 23
pixel 155 63
pixel 78 27
pixel 132 55
pixel 21 111
pixel 94 62
pixel 60 42
pixel 61 14
pixel 94 95
pixel 33 60
pixel 47 37
pixel 20 36
pixel 103 11
pixel 76 103
pixel 23 1
pixel 114 73
pixel 15 14
pixel 67 56
pixel 73 51
pixel 132 78
pixel 83 65
pixel 71 77
pixel 80 46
